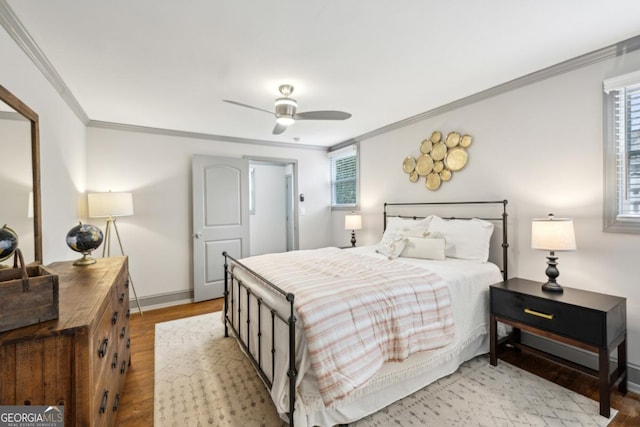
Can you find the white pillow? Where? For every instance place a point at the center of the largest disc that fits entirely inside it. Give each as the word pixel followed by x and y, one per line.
pixel 465 239
pixel 406 227
pixel 391 246
pixel 424 248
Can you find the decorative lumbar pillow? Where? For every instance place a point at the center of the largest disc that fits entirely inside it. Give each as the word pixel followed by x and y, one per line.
pixel 465 238
pixel 401 227
pixel 391 246
pixel 430 247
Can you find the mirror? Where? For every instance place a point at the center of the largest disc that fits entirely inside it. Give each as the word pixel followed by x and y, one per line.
pixel 20 208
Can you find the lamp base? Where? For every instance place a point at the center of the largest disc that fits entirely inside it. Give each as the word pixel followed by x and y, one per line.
pixel 353 238
pixel 552 273
pixel 85 260
pixel 552 287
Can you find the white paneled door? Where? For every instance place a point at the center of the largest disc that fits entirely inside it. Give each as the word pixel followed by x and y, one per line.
pixel 220 220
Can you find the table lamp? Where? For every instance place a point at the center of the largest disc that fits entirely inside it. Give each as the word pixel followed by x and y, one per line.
pixel 353 222
pixel 552 234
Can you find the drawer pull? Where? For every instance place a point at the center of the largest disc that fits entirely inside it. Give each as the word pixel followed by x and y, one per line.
pixel 126 284
pixel 116 402
pixel 103 348
pixel 123 367
pixel 114 318
pixel 121 299
pixel 103 402
pixel 129 343
pixel 114 361
pixel 123 332
pixel 537 313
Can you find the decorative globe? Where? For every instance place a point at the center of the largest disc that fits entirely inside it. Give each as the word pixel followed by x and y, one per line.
pixel 8 242
pixel 84 238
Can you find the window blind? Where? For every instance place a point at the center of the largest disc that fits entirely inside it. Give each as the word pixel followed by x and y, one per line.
pixel 627 137
pixel 344 177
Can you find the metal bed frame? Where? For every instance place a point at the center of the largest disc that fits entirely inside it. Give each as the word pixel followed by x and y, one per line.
pixel 233 308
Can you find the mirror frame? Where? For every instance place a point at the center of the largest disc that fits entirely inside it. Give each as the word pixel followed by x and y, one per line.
pixel 12 101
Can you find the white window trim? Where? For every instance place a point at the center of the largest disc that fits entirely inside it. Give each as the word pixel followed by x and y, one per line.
pixel 353 148
pixel 612 221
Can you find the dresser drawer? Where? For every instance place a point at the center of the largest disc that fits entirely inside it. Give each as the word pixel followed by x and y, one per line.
pixel 579 323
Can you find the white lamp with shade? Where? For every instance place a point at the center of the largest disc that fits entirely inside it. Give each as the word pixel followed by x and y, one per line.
pixel 111 205
pixel 552 234
pixel 353 222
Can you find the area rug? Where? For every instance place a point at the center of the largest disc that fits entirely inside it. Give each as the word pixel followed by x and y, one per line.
pixel 203 379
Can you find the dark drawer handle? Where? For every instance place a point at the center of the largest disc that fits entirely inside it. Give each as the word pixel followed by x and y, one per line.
pixel 126 284
pixel 103 402
pixel 128 313
pixel 116 402
pixel 123 332
pixel 114 318
pixel 103 348
pixel 129 343
pixel 114 361
pixel 537 313
pixel 123 367
pixel 121 299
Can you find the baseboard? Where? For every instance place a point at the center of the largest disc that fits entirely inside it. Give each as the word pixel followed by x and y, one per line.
pixel 162 300
pixel 580 356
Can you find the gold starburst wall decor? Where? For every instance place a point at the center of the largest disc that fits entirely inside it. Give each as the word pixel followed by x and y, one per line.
pixel 438 159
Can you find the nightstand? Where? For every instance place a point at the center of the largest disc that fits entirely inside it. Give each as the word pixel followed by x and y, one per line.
pixel 587 320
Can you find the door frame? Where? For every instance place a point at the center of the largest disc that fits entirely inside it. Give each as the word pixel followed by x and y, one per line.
pixel 278 161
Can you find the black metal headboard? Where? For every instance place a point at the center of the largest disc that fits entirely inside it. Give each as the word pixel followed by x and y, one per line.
pixel 502 218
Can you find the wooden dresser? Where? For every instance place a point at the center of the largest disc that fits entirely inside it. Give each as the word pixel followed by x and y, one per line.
pixel 81 359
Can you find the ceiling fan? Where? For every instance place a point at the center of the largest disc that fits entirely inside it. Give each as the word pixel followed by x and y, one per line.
pixel 286 111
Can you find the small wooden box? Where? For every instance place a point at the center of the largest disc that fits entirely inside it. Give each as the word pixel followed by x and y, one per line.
pixel 28 301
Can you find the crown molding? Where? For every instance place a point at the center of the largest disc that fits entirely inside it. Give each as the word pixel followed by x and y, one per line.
pixel 618 49
pixel 198 135
pixel 23 39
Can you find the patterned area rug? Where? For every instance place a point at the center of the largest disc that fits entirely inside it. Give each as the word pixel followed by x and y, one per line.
pixel 203 379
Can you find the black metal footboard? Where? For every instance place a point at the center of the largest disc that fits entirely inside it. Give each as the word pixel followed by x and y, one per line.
pixel 233 318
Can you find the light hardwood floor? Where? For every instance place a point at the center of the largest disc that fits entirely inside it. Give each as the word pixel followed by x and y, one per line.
pixel 136 406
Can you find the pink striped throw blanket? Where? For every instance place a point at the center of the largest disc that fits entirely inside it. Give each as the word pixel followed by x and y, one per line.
pixel 359 311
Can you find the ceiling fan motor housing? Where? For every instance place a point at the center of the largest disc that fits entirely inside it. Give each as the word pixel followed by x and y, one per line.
pixel 286 108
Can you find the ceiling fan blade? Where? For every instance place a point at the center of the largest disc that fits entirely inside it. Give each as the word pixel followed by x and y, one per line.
pixel 322 115
pixel 278 129
pixel 248 106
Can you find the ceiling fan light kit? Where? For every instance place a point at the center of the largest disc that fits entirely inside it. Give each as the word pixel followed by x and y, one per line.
pixel 285 111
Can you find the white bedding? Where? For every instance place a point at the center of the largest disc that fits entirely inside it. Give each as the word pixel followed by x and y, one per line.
pixel 468 285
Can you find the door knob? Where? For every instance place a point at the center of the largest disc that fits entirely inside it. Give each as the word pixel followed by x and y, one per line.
pixel 197 235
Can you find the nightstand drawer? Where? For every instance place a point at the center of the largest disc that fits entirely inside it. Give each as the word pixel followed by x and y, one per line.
pixel 570 321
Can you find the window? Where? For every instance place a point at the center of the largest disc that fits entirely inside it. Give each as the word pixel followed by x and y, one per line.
pixel 622 154
pixel 344 177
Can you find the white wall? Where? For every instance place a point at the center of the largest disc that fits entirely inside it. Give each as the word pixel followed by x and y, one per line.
pixel 541 148
pixel 268 224
pixel 62 147
pixel 157 170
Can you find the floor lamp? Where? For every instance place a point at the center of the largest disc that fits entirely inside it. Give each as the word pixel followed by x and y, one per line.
pixel 110 206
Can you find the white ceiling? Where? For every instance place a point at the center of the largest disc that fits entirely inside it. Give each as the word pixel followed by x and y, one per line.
pixel 169 63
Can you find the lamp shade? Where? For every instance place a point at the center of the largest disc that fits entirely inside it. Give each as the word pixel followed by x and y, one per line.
pixel 352 222
pixel 553 234
pixel 110 204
